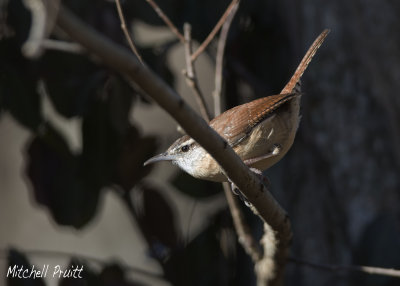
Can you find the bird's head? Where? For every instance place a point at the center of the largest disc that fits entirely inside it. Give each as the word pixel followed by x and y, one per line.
pixel 184 152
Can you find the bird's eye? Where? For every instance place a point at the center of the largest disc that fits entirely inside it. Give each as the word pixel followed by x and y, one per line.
pixel 185 148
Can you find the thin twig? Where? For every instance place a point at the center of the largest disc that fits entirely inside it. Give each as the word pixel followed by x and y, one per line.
pixel 214 31
pixel 190 74
pixel 126 32
pixel 166 20
pixel 353 268
pixel 219 60
pixel 251 247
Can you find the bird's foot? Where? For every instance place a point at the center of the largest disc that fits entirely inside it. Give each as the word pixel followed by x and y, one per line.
pixel 242 197
pixel 237 192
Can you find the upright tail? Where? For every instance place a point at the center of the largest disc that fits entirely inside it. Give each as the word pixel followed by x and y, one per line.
pixel 304 62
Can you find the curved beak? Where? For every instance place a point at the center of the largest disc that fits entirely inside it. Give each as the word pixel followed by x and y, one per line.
pixel 158 158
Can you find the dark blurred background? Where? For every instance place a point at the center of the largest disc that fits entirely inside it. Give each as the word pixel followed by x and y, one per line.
pixel 74 135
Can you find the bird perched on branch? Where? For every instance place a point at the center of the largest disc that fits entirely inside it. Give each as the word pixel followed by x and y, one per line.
pixel 261 132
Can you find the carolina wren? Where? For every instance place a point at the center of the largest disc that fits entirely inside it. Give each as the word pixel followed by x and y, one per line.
pixel 261 132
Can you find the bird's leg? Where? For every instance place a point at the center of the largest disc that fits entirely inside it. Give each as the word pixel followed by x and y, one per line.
pixel 275 151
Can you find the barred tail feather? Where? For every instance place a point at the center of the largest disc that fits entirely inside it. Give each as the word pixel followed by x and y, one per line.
pixel 305 62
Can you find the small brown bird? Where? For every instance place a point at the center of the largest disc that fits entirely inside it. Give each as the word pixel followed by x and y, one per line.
pixel 261 132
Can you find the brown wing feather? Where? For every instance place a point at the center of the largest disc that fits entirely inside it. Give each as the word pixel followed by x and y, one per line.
pixel 235 124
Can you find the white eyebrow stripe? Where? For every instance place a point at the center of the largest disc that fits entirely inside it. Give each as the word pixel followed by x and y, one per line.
pixel 189 142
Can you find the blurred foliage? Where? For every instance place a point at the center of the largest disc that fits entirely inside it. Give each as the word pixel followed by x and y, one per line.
pixel 195 188
pixel 114 274
pixel 57 184
pixel 89 275
pixel 199 266
pixel 72 87
pixel 157 220
pixel 18 76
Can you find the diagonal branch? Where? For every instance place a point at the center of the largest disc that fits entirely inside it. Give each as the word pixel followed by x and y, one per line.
pixel 190 73
pixel 126 32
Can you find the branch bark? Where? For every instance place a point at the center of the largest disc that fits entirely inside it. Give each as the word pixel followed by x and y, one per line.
pixel 122 61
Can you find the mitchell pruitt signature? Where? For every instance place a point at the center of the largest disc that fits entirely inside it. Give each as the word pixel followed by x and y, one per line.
pixel 33 272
